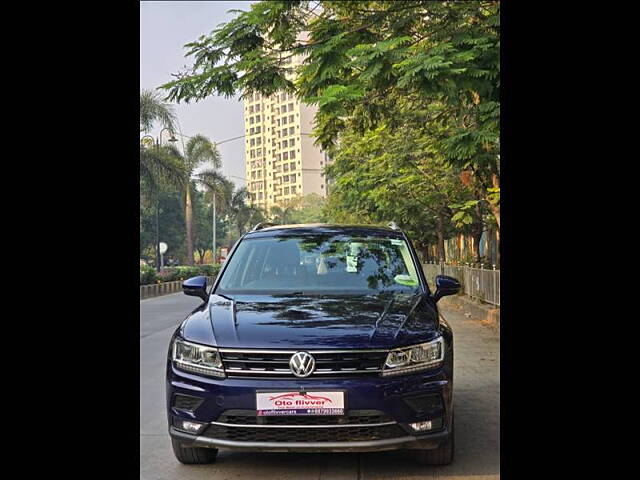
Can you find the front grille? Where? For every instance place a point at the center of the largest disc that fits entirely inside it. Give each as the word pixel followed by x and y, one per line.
pixel 274 364
pixel 284 434
pixel 353 417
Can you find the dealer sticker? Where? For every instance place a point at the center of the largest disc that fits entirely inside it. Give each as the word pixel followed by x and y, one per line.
pixel 299 403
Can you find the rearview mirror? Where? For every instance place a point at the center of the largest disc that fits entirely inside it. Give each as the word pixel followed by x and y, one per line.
pixel 446 285
pixel 196 287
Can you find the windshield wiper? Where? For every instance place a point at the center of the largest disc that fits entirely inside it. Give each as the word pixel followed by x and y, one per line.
pixel 226 297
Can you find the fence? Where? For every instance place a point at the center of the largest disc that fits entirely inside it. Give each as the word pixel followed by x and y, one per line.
pixel 479 283
pixel 157 289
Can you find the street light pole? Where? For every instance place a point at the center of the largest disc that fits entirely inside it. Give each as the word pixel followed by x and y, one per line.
pixel 158 234
pixel 213 194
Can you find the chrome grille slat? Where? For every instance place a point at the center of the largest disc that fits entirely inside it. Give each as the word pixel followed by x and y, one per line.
pixel 328 362
pixel 337 425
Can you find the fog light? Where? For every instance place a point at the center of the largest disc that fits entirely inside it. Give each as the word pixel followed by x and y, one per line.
pixel 421 426
pixel 193 427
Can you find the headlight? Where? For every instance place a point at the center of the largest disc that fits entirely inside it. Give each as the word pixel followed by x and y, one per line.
pixel 415 358
pixel 197 358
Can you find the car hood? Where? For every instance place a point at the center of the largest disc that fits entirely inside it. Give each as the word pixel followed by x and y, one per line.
pixel 338 321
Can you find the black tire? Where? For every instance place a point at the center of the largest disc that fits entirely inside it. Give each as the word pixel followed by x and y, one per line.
pixel 193 455
pixel 443 455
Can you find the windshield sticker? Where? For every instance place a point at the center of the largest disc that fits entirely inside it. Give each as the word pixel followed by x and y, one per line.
pixel 352 263
pixel 405 280
pixel 396 242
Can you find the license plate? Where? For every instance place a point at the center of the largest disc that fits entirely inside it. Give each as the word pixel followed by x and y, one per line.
pixel 299 403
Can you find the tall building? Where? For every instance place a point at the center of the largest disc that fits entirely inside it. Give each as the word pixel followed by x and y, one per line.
pixel 281 160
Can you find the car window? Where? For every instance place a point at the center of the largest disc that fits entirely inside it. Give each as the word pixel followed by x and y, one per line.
pixel 320 263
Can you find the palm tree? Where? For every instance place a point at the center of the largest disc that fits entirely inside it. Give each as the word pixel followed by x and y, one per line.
pixel 220 190
pixel 199 150
pixel 244 214
pixel 153 109
pixel 157 165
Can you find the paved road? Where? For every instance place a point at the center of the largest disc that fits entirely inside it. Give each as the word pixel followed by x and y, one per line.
pixel 477 403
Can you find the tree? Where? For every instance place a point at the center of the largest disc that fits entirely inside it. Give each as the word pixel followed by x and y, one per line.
pixel 202 216
pixel 395 175
pixel 219 190
pixel 282 215
pixel 444 57
pixel 157 165
pixel 153 109
pixel 244 214
pixel 309 209
pixel 171 223
pixel 198 150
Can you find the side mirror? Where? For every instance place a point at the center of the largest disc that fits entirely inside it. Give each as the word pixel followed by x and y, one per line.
pixel 196 287
pixel 446 285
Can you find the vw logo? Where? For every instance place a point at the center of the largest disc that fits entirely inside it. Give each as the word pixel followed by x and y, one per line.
pixel 302 364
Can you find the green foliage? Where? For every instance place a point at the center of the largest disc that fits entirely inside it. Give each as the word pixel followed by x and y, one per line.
pixel 360 54
pixel 464 213
pixel 202 227
pixel 158 165
pixel 309 209
pixel 282 215
pixel 394 175
pixel 170 223
pixel 408 96
pixel 234 216
pixel 173 274
pixel 200 150
pixel 148 275
pixel 154 110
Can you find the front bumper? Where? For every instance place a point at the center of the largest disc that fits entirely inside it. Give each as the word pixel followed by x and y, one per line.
pixel 406 442
pixel 387 396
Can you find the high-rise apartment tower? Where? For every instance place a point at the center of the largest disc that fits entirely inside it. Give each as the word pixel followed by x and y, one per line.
pixel 281 160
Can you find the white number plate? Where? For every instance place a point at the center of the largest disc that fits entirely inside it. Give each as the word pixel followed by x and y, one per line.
pixel 296 403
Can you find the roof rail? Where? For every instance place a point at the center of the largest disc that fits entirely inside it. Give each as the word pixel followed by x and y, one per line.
pixel 393 226
pixel 261 225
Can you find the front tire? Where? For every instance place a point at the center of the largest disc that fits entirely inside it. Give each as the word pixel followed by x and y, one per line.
pixel 443 455
pixel 193 455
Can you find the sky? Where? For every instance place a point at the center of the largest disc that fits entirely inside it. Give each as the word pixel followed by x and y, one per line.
pixel 164 29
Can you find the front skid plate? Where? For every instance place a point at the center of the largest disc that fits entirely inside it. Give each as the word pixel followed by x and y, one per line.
pixel 408 442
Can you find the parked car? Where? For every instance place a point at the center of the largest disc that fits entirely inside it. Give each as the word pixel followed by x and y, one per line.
pixel 314 338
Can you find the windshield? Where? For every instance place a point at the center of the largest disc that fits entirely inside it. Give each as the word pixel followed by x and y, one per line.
pixel 316 264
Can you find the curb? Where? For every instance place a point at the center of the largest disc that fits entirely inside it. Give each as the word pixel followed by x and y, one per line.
pixel 166 288
pixel 486 314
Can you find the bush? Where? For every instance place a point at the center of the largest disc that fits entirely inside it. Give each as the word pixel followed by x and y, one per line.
pixel 173 274
pixel 147 275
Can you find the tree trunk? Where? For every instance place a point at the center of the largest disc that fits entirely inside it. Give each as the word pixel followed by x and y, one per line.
pixel 478 227
pixel 425 252
pixel 440 234
pixel 188 217
pixel 476 246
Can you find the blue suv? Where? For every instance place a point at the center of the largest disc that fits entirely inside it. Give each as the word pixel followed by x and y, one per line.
pixel 314 338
